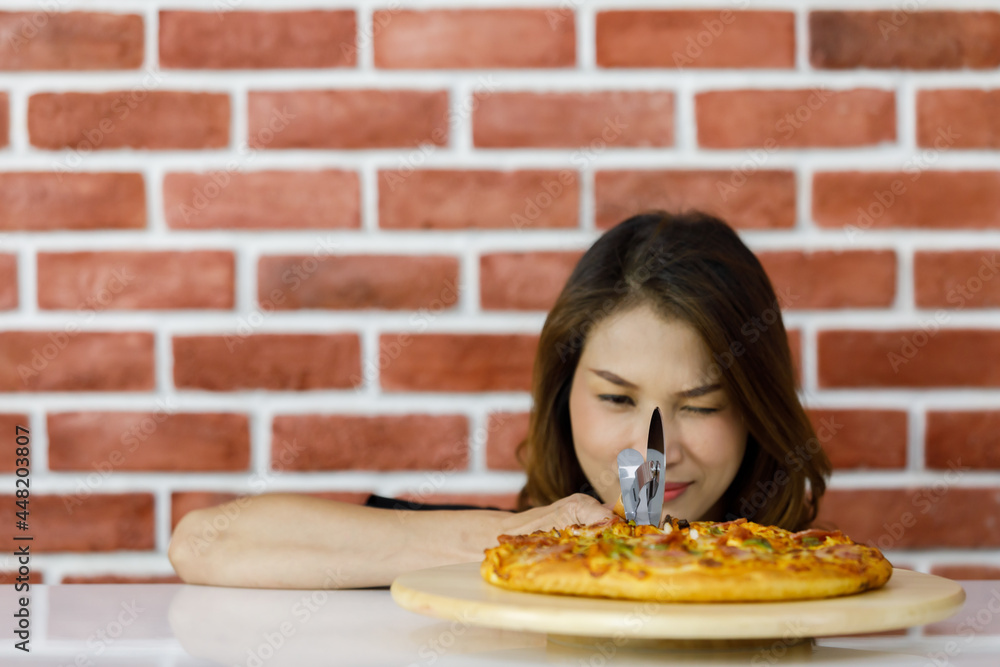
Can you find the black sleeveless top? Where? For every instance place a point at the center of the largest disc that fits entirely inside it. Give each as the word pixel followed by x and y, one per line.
pixel 398 504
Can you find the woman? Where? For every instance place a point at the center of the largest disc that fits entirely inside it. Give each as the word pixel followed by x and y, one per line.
pixel 668 311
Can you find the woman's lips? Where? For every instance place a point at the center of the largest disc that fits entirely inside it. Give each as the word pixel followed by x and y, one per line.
pixel 673 489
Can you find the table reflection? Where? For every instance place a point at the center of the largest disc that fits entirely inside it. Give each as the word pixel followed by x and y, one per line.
pixel 252 627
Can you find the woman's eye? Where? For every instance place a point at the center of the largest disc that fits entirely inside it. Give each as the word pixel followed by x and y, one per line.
pixel 621 399
pixel 617 399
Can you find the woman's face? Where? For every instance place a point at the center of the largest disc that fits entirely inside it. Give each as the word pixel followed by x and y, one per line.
pixel 668 365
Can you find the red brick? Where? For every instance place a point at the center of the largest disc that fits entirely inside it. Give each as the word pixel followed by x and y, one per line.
pixel 598 120
pixel 384 442
pixel 348 118
pixel 861 438
pixel 8 281
pixel 939 516
pixel 478 199
pixel 76 361
pixel 154 119
pixel 94 522
pixel 56 40
pixel 472 38
pixel 10 578
pixel 832 278
pixel 958 119
pixel 8 427
pixel 324 199
pixel 909 358
pixel 941 199
pixel 456 362
pixel 267 361
pixel 524 281
pixel 961 571
pixel 956 279
pixel 675 39
pixel 182 502
pixel 971 437
pixel 257 40
pixel 756 200
pixel 4 120
pixel 506 431
pixel 501 501
pixel 46 201
pixel 121 579
pixel 136 280
pixel 803 118
pixel 387 282
pixel 795 345
pixel 904 40
pixel 147 441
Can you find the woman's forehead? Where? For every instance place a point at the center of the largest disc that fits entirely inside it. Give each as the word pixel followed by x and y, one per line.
pixel 644 328
pixel 641 345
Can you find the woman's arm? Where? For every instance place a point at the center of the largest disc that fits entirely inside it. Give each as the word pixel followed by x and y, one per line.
pixel 296 541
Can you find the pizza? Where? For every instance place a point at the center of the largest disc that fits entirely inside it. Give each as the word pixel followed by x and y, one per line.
pixel 686 561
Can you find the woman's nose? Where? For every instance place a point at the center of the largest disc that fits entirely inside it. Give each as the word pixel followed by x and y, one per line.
pixel 673 448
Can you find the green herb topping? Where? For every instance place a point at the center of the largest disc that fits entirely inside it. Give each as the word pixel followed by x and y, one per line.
pixel 759 542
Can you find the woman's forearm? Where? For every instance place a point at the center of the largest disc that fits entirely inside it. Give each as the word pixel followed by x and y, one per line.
pixel 296 541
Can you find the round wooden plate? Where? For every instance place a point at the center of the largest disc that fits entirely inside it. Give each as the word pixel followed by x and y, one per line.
pixel 458 592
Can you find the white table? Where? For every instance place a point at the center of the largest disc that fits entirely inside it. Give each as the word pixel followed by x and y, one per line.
pixel 184 626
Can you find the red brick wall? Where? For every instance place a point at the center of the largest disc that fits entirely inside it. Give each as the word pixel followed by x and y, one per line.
pixel 312 249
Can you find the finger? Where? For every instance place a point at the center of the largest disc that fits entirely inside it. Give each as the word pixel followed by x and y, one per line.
pixel 619 507
pixel 594 514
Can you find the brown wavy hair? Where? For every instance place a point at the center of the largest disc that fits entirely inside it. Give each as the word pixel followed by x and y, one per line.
pixel 691 266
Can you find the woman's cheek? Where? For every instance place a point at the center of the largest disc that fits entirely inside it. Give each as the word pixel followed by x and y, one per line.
pixel 603 439
pixel 601 463
pixel 714 451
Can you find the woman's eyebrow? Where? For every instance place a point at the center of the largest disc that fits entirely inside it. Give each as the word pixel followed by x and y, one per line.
pixel 614 379
pixel 700 391
pixel 690 393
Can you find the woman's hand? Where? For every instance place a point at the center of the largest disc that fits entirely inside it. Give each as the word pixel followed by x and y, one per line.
pixel 578 508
